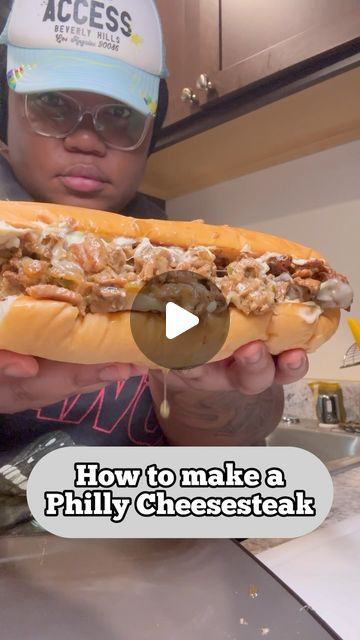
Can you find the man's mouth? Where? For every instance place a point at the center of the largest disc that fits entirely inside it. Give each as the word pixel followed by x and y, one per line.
pixel 83 178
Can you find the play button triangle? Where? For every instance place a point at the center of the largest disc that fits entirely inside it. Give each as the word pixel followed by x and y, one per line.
pixel 178 320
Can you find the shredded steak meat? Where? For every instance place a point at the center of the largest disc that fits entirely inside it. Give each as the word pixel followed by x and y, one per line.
pixel 314 268
pixel 91 254
pixel 246 287
pixel 116 258
pixel 109 277
pixel 279 265
pixel 51 292
pixel 104 299
pixel 33 245
pixel 200 260
pixel 282 289
pixel 99 276
pixel 24 272
pixel 311 285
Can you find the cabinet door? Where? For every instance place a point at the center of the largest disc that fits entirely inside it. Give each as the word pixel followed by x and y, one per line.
pixel 4 12
pixel 191 32
pixel 261 37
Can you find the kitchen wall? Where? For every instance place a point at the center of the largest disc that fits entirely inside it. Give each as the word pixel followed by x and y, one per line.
pixel 314 200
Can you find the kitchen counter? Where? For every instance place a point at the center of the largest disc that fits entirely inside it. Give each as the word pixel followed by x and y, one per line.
pixel 157 589
pixel 346 504
pixel 145 590
pixel 322 567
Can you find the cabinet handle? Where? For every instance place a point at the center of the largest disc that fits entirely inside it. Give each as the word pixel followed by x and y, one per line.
pixel 204 82
pixel 187 95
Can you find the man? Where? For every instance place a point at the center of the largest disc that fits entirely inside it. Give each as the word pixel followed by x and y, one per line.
pixel 78 156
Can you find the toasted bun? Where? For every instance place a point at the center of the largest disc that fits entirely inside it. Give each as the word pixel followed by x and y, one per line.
pixel 56 330
pixel 229 241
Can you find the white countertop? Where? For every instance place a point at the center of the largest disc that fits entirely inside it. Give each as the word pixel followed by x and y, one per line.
pixel 323 567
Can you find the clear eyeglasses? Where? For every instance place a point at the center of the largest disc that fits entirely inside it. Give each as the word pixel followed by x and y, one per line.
pixel 56 115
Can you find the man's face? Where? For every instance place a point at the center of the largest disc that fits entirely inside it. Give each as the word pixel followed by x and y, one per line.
pixel 42 165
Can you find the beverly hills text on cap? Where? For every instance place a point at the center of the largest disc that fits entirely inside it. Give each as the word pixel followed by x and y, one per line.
pixel 89 13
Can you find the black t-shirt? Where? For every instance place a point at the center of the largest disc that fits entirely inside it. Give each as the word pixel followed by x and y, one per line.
pixel 119 414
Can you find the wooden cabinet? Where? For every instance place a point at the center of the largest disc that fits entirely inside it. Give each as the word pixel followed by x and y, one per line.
pixel 240 44
pixel 4 12
pixel 307 121
pixel 191 30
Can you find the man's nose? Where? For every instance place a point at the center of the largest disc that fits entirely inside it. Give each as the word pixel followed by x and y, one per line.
pixel 85 138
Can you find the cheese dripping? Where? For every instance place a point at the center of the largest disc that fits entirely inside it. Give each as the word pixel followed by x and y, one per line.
pixel 165 407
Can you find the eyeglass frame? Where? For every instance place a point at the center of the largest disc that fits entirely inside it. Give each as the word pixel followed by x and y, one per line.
pixel 149 118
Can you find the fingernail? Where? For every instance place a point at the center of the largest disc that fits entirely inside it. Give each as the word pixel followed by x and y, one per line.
pixel 14 372
pixel 110 374
pixel 255 357
pixel 296 364
pixel 183 372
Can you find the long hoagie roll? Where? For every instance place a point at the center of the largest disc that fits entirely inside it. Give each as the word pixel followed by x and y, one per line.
pixel 69 276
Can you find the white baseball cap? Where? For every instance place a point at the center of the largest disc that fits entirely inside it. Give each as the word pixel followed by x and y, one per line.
pixel 111 47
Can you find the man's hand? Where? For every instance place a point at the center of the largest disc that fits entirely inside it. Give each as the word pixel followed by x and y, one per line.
pixel 251 370
pixel 237 401
pixel 30 383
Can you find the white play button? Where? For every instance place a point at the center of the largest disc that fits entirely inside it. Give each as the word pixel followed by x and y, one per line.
pixel 160 313
pixel 178 320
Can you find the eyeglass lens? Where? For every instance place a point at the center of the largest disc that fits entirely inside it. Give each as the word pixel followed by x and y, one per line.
pixel 57 115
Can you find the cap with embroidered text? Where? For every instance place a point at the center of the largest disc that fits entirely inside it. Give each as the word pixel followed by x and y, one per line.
pixel 113 47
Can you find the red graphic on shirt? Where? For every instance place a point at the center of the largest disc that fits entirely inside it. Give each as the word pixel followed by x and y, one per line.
pixel 125 405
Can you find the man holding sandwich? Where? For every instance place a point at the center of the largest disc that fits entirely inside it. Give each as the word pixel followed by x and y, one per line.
pixel 101 66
